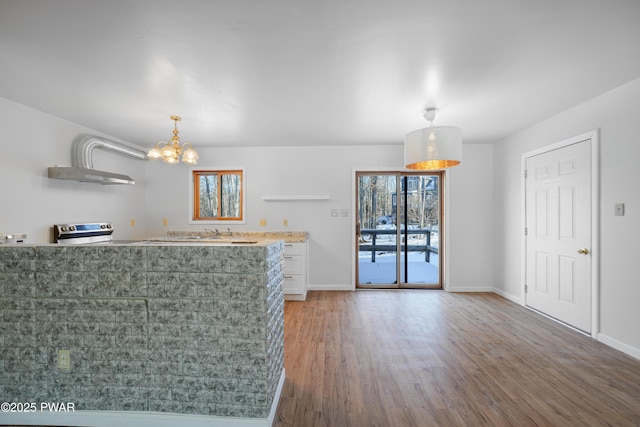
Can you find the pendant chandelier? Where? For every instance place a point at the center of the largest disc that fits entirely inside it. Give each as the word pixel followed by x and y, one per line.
pixel 170 151
pixel 434 147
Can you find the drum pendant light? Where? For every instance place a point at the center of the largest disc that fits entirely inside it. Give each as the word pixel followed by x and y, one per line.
pixel 434 147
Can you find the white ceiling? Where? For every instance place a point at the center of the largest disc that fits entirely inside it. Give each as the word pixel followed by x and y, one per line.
pixel 312 72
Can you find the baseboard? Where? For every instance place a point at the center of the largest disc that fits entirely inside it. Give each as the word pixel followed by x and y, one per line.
pixel 331 288
pixel 296 297
pixel 352 288
pixel 618 345
pixel 467 289
pixel 276 399
pixel 509 296
pixel 138 419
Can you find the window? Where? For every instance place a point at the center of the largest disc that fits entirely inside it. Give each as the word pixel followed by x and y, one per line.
pixel 218 195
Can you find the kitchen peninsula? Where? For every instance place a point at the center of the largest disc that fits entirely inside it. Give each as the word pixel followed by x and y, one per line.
pixel 178 333
pixel 296 249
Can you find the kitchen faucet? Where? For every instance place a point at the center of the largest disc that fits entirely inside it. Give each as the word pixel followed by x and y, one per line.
pixel 217 233
pixel 212 233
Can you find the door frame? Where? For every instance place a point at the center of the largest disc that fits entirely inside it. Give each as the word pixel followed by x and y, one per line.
pixel 444 218
pixel 594 136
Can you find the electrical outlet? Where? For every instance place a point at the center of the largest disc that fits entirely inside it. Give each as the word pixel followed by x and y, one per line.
pixel 344 213
pixel 64 359
pixel 165 221
pixel 263 222
pixel 132 222
pixel 334 213
pixel 285 222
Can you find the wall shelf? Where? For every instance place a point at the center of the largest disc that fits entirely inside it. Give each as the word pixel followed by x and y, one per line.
pixel 296 198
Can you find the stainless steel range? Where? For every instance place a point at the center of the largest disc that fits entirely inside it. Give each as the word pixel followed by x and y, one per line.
pixel 93 232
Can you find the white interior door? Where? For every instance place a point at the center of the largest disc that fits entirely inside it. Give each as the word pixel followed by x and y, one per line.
pixel 558 234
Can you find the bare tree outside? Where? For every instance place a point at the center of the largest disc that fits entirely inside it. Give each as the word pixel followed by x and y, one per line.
pixel 378 200
pixel 218 195
pixel 398 219
pixel 230 196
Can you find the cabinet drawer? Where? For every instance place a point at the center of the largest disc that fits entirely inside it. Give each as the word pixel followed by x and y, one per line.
pixel 294 248
pixel 294 264
pixel 293 284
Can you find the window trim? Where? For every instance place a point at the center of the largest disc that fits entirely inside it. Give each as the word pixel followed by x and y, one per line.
pixel 192 195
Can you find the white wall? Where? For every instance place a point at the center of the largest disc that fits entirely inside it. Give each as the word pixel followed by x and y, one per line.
pixel 329 170
pixel 281 171
pixel 484 214
pixel 471 221
pixel 31 203
pixel 615 114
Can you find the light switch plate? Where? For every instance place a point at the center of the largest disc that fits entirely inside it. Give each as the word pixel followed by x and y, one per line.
pixel 619 209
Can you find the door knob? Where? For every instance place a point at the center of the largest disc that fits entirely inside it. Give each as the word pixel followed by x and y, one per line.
pixel 583 251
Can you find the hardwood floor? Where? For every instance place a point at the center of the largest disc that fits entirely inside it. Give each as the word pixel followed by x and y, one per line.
pixel 430 358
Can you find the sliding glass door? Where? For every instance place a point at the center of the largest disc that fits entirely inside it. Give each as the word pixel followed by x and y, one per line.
pixel 398 229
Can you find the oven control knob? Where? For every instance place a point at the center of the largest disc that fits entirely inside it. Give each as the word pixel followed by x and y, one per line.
pixel 102 226
pixel 108 225
pixel 72 228
pixel 63 228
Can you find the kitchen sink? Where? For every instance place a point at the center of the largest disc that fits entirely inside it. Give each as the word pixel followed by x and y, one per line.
pixel 195 240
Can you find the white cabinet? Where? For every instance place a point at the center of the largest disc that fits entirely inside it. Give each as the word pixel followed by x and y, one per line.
pixel 295 271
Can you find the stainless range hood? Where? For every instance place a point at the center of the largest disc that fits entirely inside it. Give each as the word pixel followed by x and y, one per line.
pixel 82 169
pixel 73 173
